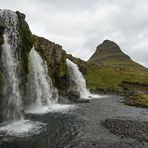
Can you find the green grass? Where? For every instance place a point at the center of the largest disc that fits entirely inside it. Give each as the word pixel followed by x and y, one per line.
pixel 110 79
pixel 140 100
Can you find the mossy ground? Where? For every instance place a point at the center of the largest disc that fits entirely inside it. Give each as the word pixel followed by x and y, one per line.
pixel 139 100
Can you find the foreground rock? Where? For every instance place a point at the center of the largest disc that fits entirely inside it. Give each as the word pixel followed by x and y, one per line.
pixel 127 128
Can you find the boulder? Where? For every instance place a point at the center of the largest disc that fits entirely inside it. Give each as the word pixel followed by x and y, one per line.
pixel 72 95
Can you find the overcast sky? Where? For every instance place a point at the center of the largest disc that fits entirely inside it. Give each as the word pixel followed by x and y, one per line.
pixel 80 25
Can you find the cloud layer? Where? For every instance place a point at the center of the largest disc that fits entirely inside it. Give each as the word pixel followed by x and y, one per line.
pixel 79 26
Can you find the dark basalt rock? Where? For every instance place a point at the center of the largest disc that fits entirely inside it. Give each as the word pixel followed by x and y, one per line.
pixel 55 58
pixel 20 15
pixel 2 28
pixel 73 95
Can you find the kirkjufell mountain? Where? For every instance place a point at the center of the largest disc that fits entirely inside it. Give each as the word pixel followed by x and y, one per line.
pixel 110 53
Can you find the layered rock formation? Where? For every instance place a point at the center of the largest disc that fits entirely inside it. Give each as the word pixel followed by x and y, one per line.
pixel 55 57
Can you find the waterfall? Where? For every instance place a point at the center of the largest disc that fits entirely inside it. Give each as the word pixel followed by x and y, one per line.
pixel 77 77
pixel 12 104
pixel 40 84
pixel 41 89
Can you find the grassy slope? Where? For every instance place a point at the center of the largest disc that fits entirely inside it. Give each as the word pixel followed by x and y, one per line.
pixel 110 78
pixel 117 67
pixel 140 100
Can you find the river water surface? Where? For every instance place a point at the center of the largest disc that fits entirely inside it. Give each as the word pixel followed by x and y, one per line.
pixel 79 127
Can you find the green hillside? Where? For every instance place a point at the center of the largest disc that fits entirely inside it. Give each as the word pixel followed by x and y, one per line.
pixel 116 67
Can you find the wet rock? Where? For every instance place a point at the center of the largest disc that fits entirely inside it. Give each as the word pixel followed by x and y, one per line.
pixel 2 28
pixel 63 100
pixel 55 57
pixel 73 95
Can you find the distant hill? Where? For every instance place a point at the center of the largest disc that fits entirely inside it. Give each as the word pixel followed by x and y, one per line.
pixel 109 53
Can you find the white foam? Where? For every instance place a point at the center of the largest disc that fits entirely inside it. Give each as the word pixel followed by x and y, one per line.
pixel 96 96
pixel 21 128
pixel 63 108
pixel 77 77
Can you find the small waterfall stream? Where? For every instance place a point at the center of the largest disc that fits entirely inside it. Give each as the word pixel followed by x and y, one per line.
pixel 12 95
pixel 41 89
pixel 39 83
pixel 77 77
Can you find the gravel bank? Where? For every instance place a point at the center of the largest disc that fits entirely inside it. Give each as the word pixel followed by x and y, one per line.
pixel 127 128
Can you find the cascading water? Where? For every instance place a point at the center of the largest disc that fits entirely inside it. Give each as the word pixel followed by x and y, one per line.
pixel 41 88
pixel 40 84
pixel 12 95
pixel 14 123
pixel 77 77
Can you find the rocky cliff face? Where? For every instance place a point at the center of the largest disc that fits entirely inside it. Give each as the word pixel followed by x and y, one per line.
pixel 55 57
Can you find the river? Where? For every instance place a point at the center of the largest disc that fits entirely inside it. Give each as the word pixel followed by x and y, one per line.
pixel 81 127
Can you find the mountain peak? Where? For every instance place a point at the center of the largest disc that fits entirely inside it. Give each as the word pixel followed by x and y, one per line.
pixel 108 46
pixel 109 52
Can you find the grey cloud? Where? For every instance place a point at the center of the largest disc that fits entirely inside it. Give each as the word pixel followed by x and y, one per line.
pixel 80 25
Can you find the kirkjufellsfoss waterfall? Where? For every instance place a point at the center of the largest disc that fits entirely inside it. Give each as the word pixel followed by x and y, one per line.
pixel 77 77
pixel 40 84
pixel 13 100
pixel 40 88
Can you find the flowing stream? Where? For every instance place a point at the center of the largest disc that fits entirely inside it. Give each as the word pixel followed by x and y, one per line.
pixel 40 84
pixel 81 128
pixel 77 77
pixel 78 83
pixel 41 89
